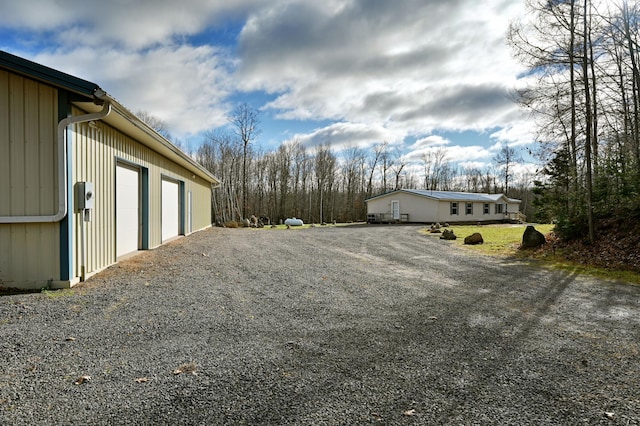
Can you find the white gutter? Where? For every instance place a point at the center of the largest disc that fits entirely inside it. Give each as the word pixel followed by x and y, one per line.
pixel 62 169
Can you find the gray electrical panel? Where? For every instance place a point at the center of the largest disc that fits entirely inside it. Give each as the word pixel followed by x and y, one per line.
pixel 84 195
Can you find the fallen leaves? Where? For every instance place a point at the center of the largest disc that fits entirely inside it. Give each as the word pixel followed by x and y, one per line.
pixel 82 379
pixel 186 368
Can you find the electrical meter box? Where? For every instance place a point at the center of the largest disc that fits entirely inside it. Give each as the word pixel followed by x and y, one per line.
pixel 85 195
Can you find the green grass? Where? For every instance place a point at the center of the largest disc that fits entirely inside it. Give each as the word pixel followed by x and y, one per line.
pixel 498 239
pixel 57 294
pixel 505 240
pixel 556 261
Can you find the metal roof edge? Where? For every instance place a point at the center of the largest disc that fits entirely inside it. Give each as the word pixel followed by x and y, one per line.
pixel 382 195
pixel 47 75
pixel 94 94
pixel 160 144
pixel 425 193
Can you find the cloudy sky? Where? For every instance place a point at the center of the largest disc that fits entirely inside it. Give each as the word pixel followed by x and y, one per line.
pixel 419 74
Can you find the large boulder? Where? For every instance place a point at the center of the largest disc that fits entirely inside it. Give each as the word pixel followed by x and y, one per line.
pixel 448 234
pixel 532 238
pixel 474 239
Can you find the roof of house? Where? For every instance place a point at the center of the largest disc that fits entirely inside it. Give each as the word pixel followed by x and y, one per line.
pixel 90 98
pixel 451 196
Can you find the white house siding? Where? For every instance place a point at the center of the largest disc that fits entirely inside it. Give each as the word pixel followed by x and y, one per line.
pixel 424 209
pixel 419 209
pixel 96 151
pixel 29 253
pixel 477 216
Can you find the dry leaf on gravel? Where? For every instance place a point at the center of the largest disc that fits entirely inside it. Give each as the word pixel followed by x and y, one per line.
pixel 82 379
pixel 142 380
pixel 186 368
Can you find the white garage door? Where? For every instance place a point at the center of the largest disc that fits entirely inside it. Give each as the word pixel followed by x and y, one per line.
pixel 127 210
pixel 170 210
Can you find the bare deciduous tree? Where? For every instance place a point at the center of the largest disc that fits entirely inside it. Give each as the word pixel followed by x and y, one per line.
pixel 245 121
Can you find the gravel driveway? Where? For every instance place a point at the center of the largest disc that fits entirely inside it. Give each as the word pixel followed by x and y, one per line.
pixel 322 326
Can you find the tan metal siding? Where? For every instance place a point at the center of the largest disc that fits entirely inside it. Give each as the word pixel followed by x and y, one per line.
pixel 28 181
pixel 96 152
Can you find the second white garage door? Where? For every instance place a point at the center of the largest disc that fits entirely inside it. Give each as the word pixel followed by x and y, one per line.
pixel 127 210
pixel 170 209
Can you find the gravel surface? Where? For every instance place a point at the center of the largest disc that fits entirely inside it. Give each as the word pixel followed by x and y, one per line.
pixel 322 326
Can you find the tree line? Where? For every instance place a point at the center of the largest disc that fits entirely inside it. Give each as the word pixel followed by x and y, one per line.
pixel 584 93
pixel 321 185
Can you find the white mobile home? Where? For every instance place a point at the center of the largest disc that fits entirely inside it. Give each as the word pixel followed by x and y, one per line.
pixel 83 181
pixel 424 206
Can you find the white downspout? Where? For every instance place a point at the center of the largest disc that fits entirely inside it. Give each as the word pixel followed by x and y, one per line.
pixel 62 169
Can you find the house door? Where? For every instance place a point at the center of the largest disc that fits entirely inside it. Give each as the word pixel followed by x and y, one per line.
pixel 170 209
pixel 395 210
pixel 127 209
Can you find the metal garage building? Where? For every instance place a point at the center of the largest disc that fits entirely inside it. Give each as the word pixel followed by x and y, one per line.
pixel 83 181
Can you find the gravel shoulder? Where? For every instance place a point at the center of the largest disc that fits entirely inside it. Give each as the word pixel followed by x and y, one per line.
pixel 323 326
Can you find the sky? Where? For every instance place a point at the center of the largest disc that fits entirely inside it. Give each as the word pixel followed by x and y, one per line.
pixel 420 75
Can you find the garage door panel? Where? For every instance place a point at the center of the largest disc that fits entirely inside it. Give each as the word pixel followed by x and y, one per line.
pixel 127 210
pixel 170 209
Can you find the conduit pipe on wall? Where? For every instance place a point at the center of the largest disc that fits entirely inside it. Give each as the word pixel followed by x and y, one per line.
pixel 62 167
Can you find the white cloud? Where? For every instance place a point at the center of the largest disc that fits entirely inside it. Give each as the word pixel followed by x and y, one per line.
pixel 345 135
pixel 429 142
pixel 128 24
pixel 184 86
pixel 412 65
pixel 455 153
pixel 380 70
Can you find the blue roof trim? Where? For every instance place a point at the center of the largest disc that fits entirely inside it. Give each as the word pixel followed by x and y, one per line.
pixel 47 75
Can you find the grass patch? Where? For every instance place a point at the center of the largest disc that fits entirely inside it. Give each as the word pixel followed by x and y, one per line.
pixel 505 240
pixel 557 261
pixel 498 239
pixel 57 294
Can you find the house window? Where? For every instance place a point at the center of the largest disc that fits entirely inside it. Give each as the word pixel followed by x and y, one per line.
pixel 485 208
pixel 499 209
pixel 468 208
pixel 454 209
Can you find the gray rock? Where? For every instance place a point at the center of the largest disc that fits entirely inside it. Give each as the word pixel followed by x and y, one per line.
pixel 448 234
pixel 532 238
pixel 473 239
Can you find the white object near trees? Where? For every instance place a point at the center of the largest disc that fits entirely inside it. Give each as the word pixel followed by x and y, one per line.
pixel 293 222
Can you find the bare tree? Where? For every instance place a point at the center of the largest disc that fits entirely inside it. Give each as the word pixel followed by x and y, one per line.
pixel 245 121
pixel 506 159
pixel 374 160
pixel 159 125
pixel 325 163
pixel 436 169
pixel 221 155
